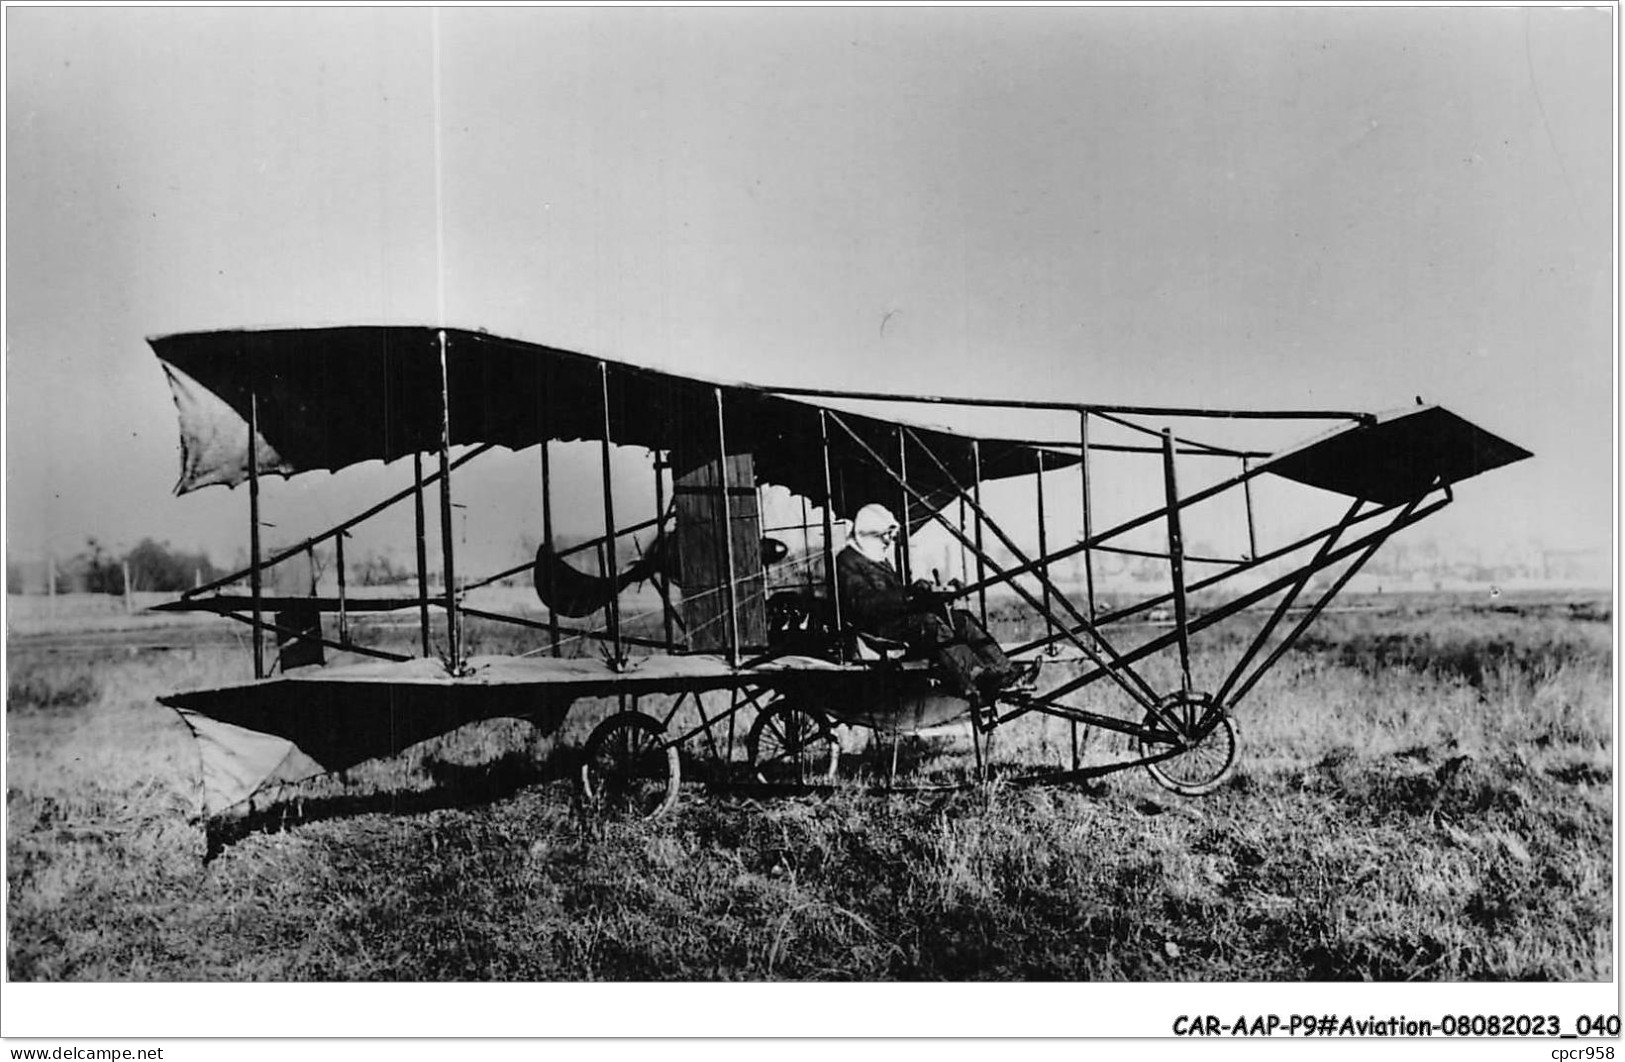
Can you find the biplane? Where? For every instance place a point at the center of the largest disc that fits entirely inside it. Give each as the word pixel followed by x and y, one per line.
pixel 747 627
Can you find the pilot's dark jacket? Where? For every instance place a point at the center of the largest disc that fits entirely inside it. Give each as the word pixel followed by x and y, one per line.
pixel 873 597
pixel 875 601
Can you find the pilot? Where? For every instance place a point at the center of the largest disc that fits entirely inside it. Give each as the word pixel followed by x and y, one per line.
pixel 875 601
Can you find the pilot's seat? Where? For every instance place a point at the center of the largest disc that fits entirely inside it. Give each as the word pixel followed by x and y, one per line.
pixel 801 621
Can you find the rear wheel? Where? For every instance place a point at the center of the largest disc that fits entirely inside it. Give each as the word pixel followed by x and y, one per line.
pixel 1209 741
pixel 628 768
pixel 792 744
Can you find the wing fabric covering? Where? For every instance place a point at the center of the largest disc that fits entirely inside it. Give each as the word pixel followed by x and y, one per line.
pixel 1398 456
pixel 253 737
pixel 327 398
pixel 239 762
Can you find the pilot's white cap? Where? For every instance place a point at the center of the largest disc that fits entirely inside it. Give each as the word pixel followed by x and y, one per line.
pixel 873 520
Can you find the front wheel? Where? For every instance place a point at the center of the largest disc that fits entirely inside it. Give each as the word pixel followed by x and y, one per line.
pixel 792 745
pixel 1209 741
pixel 628 768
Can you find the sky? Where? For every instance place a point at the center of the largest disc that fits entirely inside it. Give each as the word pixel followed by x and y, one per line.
pixel 1275 208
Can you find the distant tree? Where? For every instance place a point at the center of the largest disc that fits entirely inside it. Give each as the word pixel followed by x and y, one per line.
pixel 158 566
pixel 103 572
pixel 379 569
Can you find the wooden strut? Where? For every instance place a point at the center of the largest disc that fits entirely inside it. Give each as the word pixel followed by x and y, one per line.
pixel 552 624
pixel 981 566
pixel 612 608
pixel 806 545
pixel 1043 546
pixel 730 597
pixel 1196 450
pixel 447 546
pixel 254 583
pixel 1049 620
pixel 1088 521
pixel 1088 556
pixel 1247 495
pixel 705 720
pixel 660 509
pixel 1081 407
pixel 1176 561
pixel 964 554
pixel 547 502
pixel 830 583
pixel 1124 551
pixel 901 559
pixel 422 549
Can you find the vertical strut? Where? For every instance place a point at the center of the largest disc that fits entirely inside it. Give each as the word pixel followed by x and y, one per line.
pixel 1043 550
pixel 1247 495
pixel 727 534
pixel 419 522
pixel 612 608
pixel 1049 619
pixel 964 554
pixel 254 517
pixel 658 544
pixel 976 499
pixel 1176 560
pixel 831 586
pixel 1088 551
pixel 806 544
pixel 544 431
pixel 547 538
pixel 447 551
pixel 1088 513
pixel 344 613
pixel 901 558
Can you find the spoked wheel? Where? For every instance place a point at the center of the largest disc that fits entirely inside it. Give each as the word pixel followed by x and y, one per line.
pixel 626 770
pixel 791 744
pixel 1208 738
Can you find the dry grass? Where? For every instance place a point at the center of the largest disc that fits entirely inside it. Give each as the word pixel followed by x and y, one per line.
pixel 1420 796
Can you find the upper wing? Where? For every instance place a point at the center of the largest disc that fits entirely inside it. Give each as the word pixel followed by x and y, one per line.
pixel 327 398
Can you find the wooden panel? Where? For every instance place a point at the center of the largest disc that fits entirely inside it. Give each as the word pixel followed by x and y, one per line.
pixel 704 561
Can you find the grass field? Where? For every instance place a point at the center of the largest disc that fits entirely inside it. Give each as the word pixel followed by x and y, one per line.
pixel 1422 793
